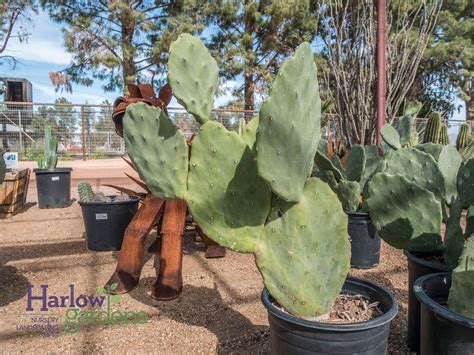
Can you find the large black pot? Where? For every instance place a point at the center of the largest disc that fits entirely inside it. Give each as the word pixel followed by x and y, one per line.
pixel 417 267
pixel 443 331
pixel 365 242
pixel 292 335
pixel 53 187
pixel 105 222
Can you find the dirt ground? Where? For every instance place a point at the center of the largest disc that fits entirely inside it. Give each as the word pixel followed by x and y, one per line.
pixel 219 311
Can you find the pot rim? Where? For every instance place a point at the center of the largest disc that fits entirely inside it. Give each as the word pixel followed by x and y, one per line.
pixel 52 171
pixel 358 213
pixel 434 306
pixel 336 327
pixel 131 200
pixel 430 264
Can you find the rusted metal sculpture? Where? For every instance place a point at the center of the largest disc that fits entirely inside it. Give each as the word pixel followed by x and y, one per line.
pixel 169 243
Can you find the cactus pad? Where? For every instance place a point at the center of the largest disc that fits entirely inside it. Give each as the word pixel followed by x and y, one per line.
pixel 355 163
pixel 158 150
pixel 405 130
pixel 449 162
pixel 309 242
pixel 466 183
pixel 432 149
pixel 390 136
pixel 324 163
pixel 407 216
pixel 462 286
pixel 193 76
pixel 249 133
pixel 226 197
pixel 417 167
pixel 349 195
pixel 289 128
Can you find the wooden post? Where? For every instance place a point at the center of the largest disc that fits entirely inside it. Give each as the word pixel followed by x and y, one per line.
pixel 381 68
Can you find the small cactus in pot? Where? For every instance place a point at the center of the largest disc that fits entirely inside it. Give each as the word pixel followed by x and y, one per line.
pixel 246 190
pixel 49 159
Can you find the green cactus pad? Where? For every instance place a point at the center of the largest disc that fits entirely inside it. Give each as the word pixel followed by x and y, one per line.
pixel 226 197
pixel 412 108
pixel 390 136
pixel 466 183
pixel 449 162
pixel 158 150
pixel 355 163
pixel 405 215
pixel 462 286
pixel 432 149
pixel 349 195
pixel 289 128
pixel 324 163
pixel 372 164
pixel 454 238
pixel 469 222
pixel 193 76
pixel 405 130
pixel 304 255
pixel 418 167
pixel 328 177
pixel 249 133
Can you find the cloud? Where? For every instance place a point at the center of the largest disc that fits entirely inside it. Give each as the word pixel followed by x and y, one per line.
pixel 45 44
pixel 77 97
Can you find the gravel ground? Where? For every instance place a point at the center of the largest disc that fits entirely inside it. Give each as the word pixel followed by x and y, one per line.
pixel 219 311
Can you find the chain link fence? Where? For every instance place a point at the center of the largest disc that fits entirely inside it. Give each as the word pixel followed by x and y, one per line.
pixel 87 131
pixel 83 131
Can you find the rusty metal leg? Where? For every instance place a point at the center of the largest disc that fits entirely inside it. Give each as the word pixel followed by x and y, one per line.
pixel 213 250
pixel 130 260
pixel 169 283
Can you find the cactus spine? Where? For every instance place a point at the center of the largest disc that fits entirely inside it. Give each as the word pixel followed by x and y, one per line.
pixel 433 128
pixel 85 192
pixel 50 158
pixel 443 135
pixel 233 180
pixel 464 136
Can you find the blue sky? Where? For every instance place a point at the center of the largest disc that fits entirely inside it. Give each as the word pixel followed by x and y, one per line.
pixel 44 52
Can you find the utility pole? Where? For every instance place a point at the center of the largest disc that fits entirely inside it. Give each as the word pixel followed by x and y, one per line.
pixel 381 68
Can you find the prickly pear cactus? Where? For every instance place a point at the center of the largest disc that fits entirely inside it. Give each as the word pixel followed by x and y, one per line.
pixel 449 162
pixel 249 133
pixel 466 183
pixel 433 128
pixel 390 136
pixel 355 163
pixel 406 215
pixel 85 192
pixel 158 150
pixel 464 136
pixel 289 126
pixel 318 252
pixel 193 76
pixel 443 135
pixel 3 169
pixel 226 197
pixel 460 298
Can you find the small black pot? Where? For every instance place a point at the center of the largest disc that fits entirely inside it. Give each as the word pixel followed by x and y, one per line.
pixel 105 222
pixel 365 242
pixel 417 267
pixel 442 331
pixel 292 335
pixel 53 187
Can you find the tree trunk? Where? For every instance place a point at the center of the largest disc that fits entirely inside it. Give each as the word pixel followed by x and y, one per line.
pixel 129 72
pixel 249 84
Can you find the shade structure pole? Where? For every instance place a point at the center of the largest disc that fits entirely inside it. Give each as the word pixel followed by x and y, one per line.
pixel 381 68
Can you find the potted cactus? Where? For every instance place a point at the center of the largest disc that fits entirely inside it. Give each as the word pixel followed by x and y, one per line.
pixel 349 184
pixel 447 307
pixel 105 217
pixel 251 192
pixel 3 168
pixel 52 184
pixel 414 192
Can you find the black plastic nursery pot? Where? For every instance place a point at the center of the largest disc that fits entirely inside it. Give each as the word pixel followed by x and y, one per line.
pixel 105 222
pixel 443 331
pixel 292 335
pixel 365 242
pixel 53 187
pixel 418 265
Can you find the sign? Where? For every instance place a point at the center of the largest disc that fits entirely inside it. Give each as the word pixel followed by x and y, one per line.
pixel 11 160
pixel 100 216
